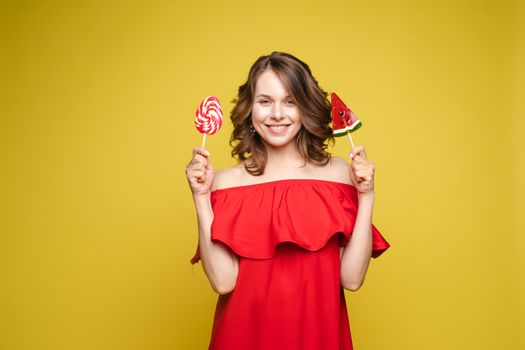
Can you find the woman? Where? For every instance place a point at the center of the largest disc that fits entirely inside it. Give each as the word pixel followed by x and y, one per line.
pixel 286 229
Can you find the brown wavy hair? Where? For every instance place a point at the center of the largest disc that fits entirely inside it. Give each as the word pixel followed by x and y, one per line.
pixel 311 140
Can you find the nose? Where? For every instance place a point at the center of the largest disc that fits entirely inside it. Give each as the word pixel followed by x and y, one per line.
pixel 277 113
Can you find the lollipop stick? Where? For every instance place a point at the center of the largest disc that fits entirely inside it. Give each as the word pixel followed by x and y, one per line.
pixel 352 142
pixel 204 140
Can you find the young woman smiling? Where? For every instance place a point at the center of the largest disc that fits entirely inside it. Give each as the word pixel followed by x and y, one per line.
pixel 286 230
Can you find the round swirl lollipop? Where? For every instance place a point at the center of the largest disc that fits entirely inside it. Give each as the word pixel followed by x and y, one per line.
pixel 208 117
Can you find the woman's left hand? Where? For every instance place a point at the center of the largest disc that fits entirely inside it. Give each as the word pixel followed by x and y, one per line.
pixel 362 171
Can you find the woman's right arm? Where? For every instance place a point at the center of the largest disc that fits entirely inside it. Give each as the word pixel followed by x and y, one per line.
pixel 220 265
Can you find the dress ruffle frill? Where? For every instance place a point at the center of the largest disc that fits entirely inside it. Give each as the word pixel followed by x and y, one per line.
pixel 304 212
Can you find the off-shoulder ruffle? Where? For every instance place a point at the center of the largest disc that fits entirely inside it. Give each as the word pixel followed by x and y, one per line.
pixel 253 220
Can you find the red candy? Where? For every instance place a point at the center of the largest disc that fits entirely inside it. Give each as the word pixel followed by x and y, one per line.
pixel 344 121
pixel 208 117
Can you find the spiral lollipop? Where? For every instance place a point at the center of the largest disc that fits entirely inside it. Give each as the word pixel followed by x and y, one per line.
pixel 208 117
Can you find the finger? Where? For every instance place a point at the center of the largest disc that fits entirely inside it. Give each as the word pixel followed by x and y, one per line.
pixel 358 159
pixel 192 171
pixel 364 166
pixel 209 167
pixel 361 174
pixel 360 170
pixel 200 178
pixel 363 180
pixel 361 163
pixel 355 151
pixel 359 150
pixel 196 181
pixel 364 172
pixel 196 174
pixel 200 159
pixel 365 177
pixel 363 151
pixel 201 150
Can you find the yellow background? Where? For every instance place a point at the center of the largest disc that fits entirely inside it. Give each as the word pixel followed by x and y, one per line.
pixel 97 222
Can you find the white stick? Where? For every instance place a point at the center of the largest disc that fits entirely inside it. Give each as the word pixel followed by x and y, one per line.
pixel 204 140
pixel 352 142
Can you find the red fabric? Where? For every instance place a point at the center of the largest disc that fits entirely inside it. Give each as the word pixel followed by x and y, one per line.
pixel 288 293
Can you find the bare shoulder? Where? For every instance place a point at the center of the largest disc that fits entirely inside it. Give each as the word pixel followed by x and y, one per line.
pixel 339 163
pixel 338 170
pixel 228 177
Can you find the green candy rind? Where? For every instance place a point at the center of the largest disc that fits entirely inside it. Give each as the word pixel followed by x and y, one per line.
pixel 351 128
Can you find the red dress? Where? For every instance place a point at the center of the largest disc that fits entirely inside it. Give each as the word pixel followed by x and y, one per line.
pixel 288 293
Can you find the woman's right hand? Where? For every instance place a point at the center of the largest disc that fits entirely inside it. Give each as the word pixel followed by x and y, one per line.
pixel 199 172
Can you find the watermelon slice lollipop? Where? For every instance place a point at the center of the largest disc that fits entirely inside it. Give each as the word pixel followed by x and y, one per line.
pixel 344 121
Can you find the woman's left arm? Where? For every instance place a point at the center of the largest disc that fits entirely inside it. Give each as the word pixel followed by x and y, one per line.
pixel 357 253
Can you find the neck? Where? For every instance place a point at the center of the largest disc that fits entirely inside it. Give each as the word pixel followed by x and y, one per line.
pixel 285 156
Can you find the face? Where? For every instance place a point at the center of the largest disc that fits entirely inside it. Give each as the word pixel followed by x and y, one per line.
pixel 275 117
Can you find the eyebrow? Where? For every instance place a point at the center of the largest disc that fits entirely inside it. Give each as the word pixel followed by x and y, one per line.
pixel 269 97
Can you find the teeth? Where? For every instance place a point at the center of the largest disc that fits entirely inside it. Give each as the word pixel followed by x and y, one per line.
pixel 277 128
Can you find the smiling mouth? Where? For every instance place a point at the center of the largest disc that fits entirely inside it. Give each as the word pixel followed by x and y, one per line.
pixel 278 127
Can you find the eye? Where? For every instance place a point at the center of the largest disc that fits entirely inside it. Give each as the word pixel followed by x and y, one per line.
pixel 264 102
pixel 290 102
